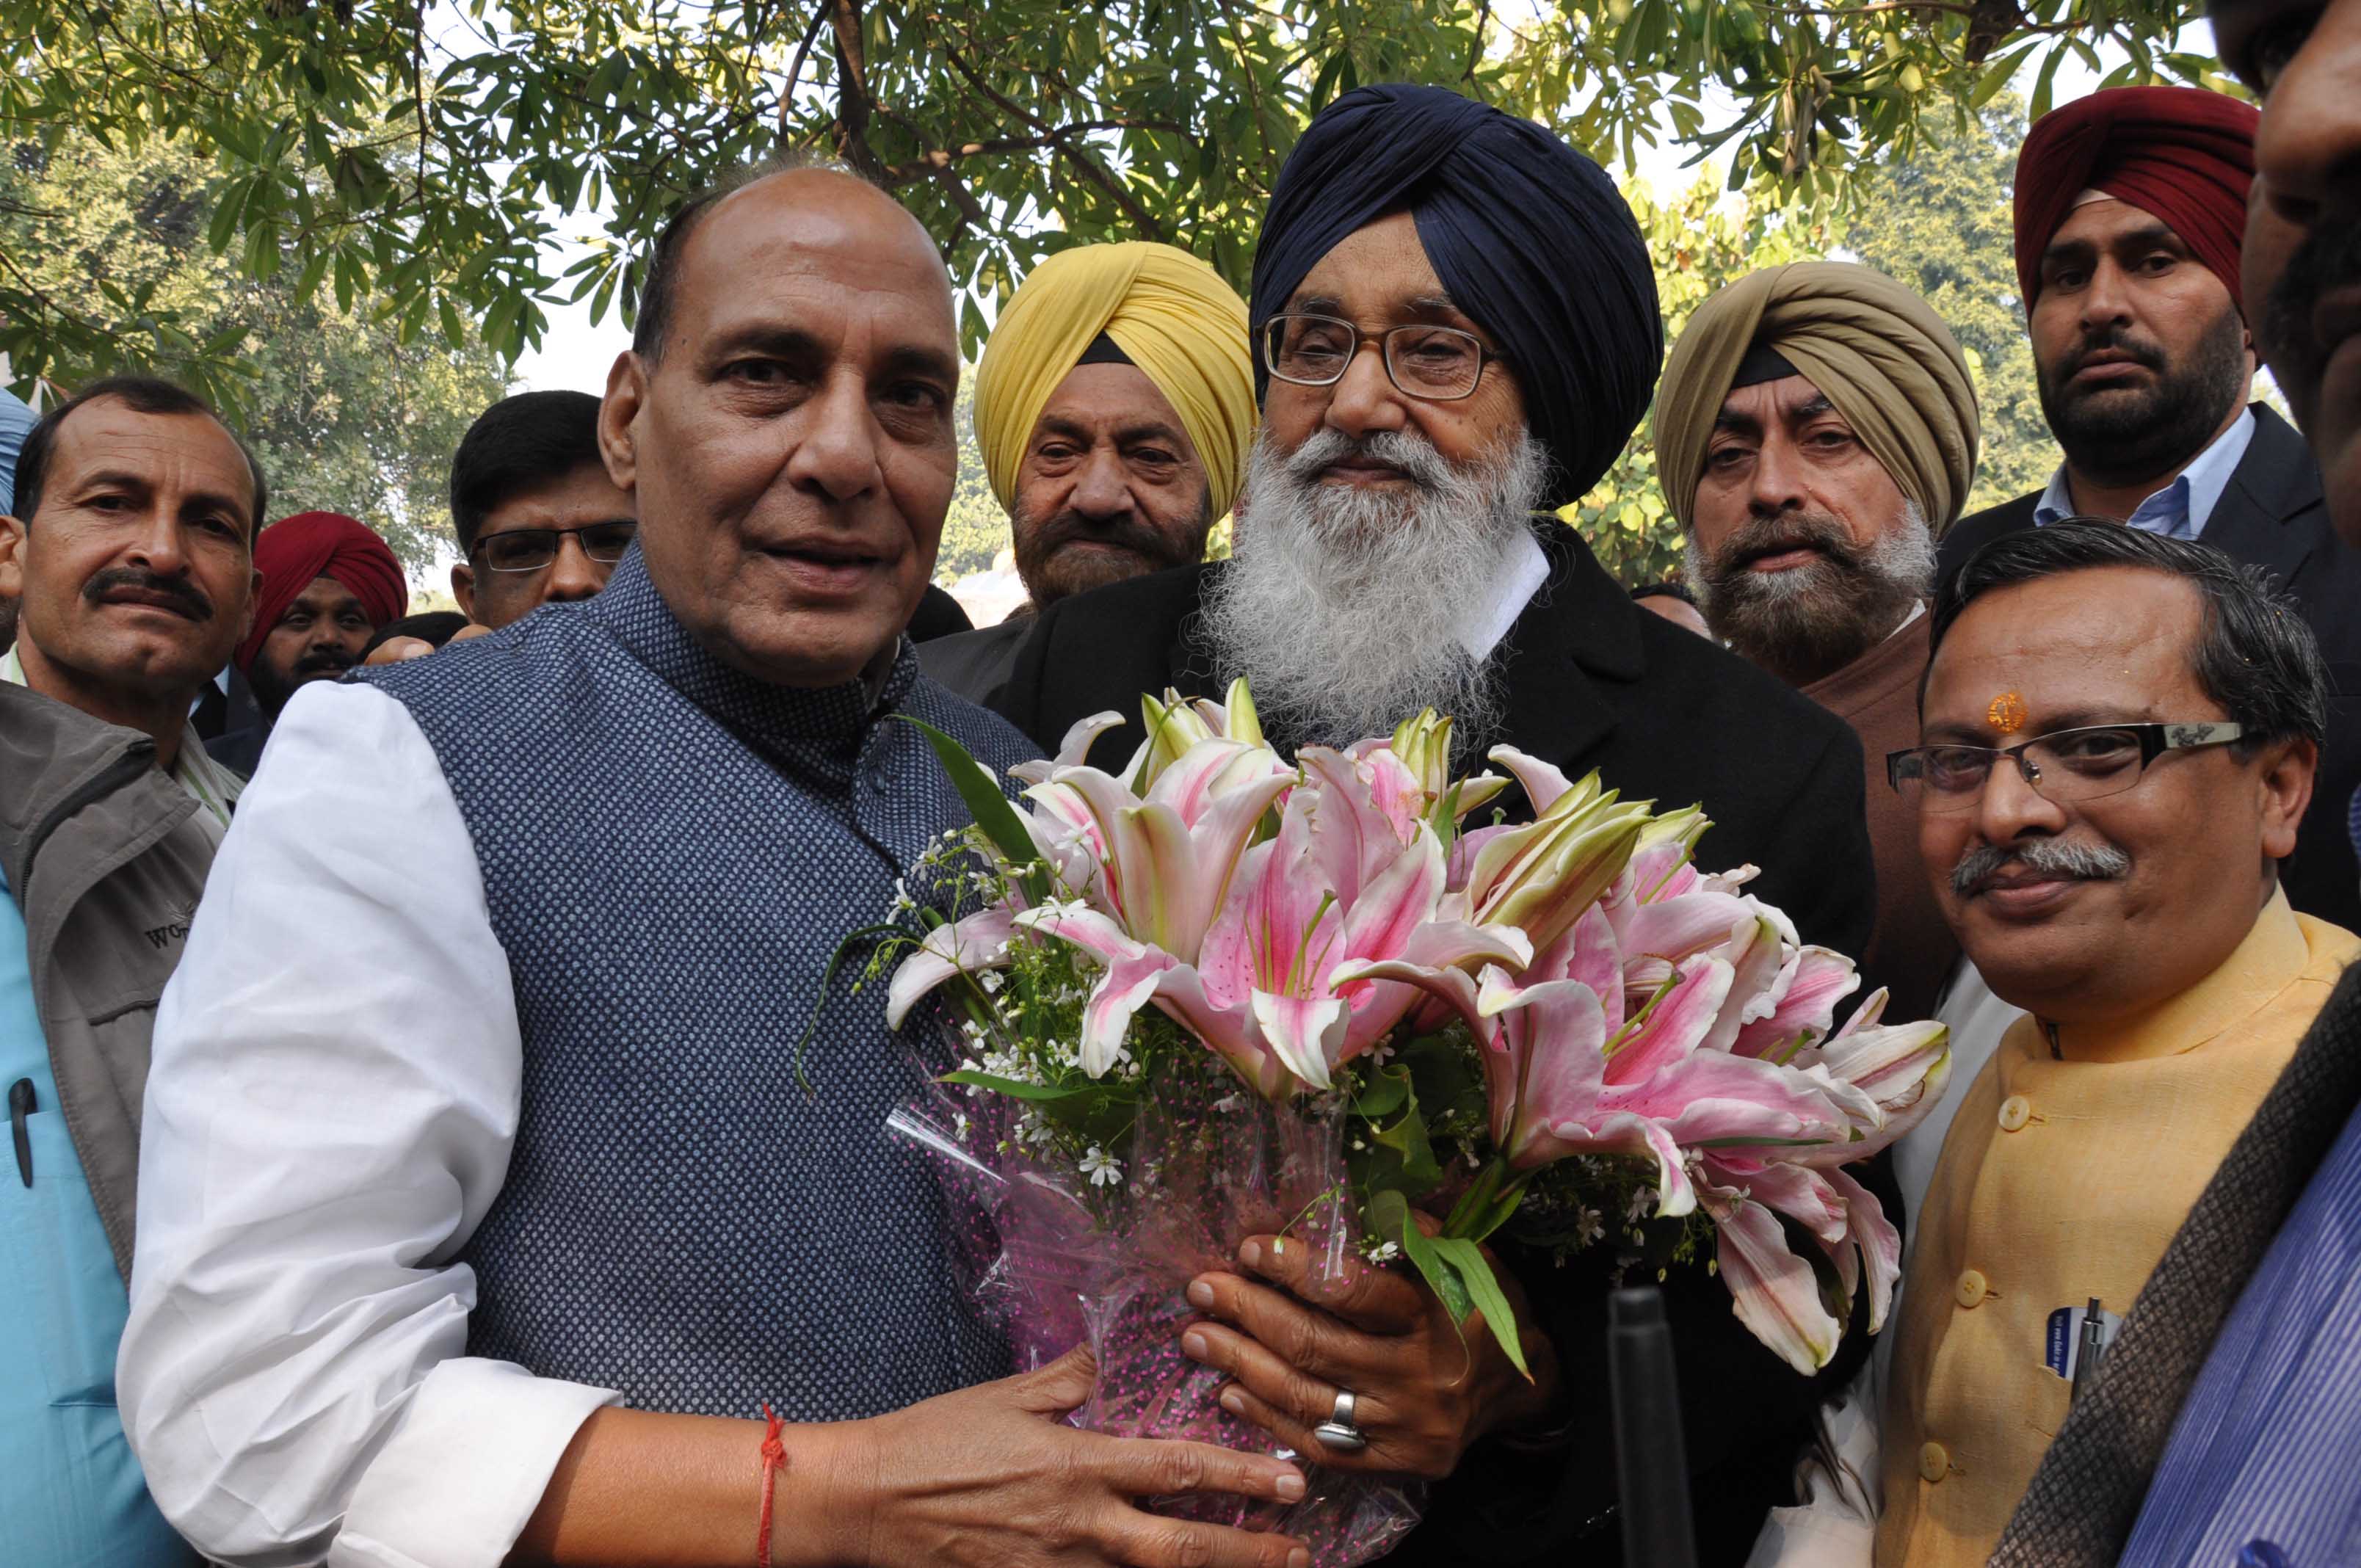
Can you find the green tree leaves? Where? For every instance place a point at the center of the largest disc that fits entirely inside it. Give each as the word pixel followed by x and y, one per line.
pixel 346 411
pixel 425 156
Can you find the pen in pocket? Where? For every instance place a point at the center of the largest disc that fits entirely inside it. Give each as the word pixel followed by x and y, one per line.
pixel 21 1104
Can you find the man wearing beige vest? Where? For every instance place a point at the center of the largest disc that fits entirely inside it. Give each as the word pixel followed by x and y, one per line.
pixel 2119 734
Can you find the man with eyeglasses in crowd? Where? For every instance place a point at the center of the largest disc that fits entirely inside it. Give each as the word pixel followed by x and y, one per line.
pixel 538 520
pixel 2119 738
pixel 1434 371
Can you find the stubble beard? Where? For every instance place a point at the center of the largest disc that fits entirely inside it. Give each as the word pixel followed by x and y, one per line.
pixel 2117 438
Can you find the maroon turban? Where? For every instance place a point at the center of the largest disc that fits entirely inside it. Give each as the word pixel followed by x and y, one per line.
pixel 294 550
pixel 2180 153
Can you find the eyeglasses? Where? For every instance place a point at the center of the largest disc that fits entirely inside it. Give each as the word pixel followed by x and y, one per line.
pixel 2066 764
pixel 1439 364
pixel 531 549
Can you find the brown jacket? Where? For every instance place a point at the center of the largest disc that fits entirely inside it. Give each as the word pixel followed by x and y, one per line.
pixel 101 856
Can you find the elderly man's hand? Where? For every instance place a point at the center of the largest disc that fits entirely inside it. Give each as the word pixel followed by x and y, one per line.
pixel 992 1478
pixel 1424 1389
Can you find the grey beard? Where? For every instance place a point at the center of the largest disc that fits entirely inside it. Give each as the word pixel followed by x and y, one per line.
pixel 1343 609
pixel 1809 622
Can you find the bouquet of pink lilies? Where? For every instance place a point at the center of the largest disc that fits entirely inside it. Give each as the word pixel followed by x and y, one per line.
pixel 1221 993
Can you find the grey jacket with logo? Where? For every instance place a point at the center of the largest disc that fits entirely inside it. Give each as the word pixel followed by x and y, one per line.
pixel 102 857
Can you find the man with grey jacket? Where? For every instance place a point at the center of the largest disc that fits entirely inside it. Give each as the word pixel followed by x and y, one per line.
pixel 130 548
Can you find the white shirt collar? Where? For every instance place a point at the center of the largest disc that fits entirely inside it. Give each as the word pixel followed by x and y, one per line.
pixel 1522 573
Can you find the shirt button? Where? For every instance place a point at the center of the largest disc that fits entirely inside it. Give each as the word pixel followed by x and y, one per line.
pixel 1972 1289
pixel 2014 1113
pixel 2261 1553
pixel 1934 1461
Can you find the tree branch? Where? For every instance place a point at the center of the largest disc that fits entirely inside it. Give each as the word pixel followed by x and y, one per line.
pixel 796 70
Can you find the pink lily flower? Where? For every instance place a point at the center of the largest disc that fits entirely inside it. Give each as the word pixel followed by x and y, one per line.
pixel 1563 1080
pixel 1267 989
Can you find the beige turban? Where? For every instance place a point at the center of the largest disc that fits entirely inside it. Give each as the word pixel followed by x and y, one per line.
pixel 1875 350
pixel 1169 313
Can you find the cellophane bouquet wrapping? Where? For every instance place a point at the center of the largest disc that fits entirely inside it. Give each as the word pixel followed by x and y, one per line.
pixel 1221 993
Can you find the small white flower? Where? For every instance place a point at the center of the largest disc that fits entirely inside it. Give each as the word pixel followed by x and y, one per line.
pixel 1102 1168
pixel 990 980
pixel 959 1124
pixel 1589 1225
pixel 1232 1101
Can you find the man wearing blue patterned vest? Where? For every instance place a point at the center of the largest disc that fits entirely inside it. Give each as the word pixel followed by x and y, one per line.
pixel 481 1207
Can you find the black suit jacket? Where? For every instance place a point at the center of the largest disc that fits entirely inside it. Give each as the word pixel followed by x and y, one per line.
pixel 2272 515
pixel 1592 681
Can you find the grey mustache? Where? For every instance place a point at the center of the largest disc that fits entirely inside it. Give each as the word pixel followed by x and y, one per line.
pixel 2049 857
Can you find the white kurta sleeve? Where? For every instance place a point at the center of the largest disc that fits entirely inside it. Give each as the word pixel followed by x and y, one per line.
pixel 329 1112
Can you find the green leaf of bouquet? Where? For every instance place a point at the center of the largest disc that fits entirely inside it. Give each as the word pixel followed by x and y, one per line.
pixel 1483 1287
pixel 981 793
pixel 1486 1205
pixel 886 931
pixel 1390 1216
pixel 1384 1092
pixel 1408 1149
pixel 1018 1089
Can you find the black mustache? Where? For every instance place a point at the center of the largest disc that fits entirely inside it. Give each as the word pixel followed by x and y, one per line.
pixel 2116 339
pixel 186 596
pixel 2330 257
pixel 323 661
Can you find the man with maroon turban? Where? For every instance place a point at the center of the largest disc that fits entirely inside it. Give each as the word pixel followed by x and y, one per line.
pixel 328 581
pixel 2131 212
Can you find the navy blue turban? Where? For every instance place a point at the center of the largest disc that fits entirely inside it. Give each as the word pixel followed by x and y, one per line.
pixel 1531 239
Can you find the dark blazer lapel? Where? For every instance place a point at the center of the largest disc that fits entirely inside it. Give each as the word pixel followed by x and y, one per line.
pixel 1580 628
pixel 2274 486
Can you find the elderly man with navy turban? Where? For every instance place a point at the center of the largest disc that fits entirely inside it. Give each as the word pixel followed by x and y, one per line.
pixel 1456 330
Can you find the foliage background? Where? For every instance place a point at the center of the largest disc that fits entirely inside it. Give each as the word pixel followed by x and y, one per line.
pixel 344 414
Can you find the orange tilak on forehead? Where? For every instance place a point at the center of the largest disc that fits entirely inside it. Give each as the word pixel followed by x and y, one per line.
pixel 2006 713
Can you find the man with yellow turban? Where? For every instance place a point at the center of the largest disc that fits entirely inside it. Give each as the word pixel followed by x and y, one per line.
pixel 1816 430
pixel 1113 409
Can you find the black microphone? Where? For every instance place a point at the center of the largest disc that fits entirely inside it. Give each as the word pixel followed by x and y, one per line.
pixel 1651 1469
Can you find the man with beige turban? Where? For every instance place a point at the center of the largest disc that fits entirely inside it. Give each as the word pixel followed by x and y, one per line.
pixel 1114 408
pixel 1816 430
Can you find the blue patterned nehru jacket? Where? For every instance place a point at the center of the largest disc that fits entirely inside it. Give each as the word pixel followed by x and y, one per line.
pixel 672 850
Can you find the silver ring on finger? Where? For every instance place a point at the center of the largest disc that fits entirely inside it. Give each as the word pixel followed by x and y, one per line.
pixel 1338 1433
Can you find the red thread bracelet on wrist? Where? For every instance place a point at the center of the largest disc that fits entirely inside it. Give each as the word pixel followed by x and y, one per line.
pixel 774 1459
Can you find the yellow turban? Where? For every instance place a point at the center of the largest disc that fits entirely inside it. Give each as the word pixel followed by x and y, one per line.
pixel 1875 350
pixel 1170 314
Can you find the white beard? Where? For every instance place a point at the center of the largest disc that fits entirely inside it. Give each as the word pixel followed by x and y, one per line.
pixel 1343 609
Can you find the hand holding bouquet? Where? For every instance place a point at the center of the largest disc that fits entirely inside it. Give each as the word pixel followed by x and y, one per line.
pixel 1219 995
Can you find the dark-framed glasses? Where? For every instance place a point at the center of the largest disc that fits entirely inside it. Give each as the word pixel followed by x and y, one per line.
pixel 1440 364
pixel 530 549
pixel 2086 763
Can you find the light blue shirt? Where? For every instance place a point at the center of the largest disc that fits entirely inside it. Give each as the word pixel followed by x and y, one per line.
pixel 70 1492
pixel 2259 1473
pixel 2181 510
pixel 16 421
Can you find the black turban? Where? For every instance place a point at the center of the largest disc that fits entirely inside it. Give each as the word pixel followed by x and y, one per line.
pixel 1532 240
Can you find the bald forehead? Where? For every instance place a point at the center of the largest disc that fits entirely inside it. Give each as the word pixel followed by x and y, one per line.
pixel 803 217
